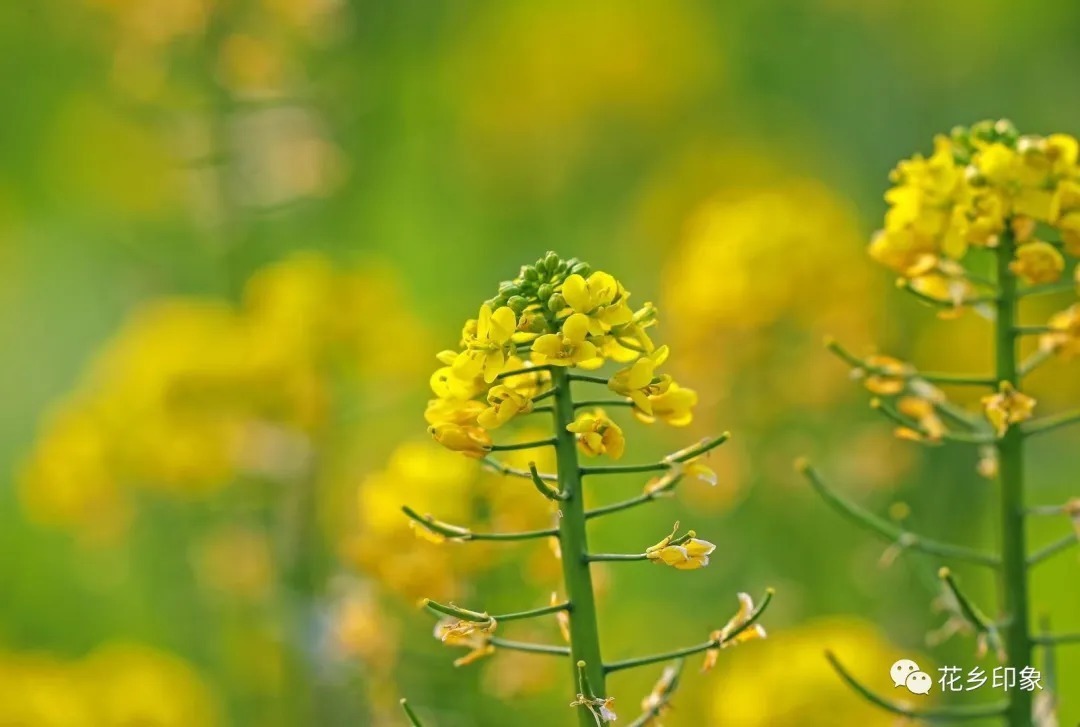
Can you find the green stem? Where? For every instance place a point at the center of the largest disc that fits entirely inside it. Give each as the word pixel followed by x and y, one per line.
pixel 1010 449
pixel 685 455
pixel 573 542
pixel 586 378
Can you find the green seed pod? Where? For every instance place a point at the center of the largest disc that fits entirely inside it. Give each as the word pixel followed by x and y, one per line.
pixel 517 303
pixel 545 291
pixel 556 303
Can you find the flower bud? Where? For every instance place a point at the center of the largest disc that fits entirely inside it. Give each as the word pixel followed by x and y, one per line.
pixel 545 291
pixel 517 303
pixel 551 261
pixel 582 269
pixel 508 288
pixel 556 303
pixel 529 274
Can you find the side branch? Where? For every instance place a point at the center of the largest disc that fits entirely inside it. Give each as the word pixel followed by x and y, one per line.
pixel 586 378
pixel 661 491
pixel 610 557
pixel 947 714
pixel 526 370
pixel 912 374
pixel 960 437
pixel 542 487
pixel 453 532
pixel 478 617
pixel 689 453
pixel 1050 423
pixel 528 647
pixel 506 469
pixel 890 531
pixel 697 648
pixel 1054 639
pixel 1053 549
pixel 1047 289
pixel 942 302
pixel 657 702
pixel 523 445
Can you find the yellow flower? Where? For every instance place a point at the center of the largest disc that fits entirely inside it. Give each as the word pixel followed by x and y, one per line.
pixel 470 441
pixel 636 381
pixel 1038 262
pixel 628 341
pixel 452 632
pixel 723 638
pixel 569 346
pixel 597 434
pixel 888 375
pixel 527 384
pixel 1065 336
pixel 601 298
pixel 503 405
pixel 487 344
pixel 672 405
pixel 445 384
pixel 1008 406
pixel 685 553
pixel 463 413
pixel 922 410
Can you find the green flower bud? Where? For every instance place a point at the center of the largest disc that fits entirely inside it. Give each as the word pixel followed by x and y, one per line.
pixel 582 269
pixel 545 291
pixel 517 303
pixel 551 261
pixel 556 303
pixel 508 288
pixel 529 274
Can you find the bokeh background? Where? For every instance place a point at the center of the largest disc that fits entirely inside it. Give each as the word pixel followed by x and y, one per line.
pixel 233 233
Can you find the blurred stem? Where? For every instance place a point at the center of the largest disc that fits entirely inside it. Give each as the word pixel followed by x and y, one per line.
pixel 1010 449
pixel 413 719
pixel 577 576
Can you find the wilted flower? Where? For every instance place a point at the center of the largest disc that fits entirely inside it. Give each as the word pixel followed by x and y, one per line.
pixel 724 637
pixel 685 553
pixel 1064 338
pixel 1038 262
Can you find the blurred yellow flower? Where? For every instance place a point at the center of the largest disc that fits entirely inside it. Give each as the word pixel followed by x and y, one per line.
pixel 1038 262
pixel 597 434
pixel 1064 338
pixel 118 685
pixel 792 680
pixel 930 426
pixel 887 377
pixel 1007 407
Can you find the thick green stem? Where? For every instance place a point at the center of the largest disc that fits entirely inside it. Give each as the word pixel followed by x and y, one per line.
pixel 1010 449
pixel 577 577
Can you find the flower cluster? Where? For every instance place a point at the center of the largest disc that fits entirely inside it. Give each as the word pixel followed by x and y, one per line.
pixel 555 313
pixel 193 393
pixel 979 183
